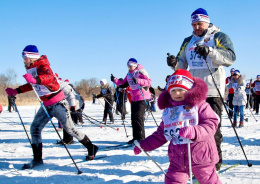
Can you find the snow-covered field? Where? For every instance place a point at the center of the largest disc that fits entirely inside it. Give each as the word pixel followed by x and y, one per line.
pixel 118 166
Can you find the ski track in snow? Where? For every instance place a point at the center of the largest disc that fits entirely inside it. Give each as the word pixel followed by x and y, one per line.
pixel 119 165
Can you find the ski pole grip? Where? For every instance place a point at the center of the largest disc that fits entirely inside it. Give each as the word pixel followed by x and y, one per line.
pixel 137 144
pixel 186 123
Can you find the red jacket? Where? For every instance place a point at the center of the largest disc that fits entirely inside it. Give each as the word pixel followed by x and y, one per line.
pixel 46 78
pixel 256 85
pixel 230 90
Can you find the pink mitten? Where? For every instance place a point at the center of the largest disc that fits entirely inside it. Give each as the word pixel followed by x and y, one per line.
pixel 187 132
pixel 11 91
pixel 137 150
pixel 29 78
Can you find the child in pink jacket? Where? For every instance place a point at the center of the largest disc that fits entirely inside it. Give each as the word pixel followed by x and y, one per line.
pixel 183 100
pixel 139 81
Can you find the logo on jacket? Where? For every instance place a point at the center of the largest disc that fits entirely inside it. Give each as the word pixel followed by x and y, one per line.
pixel 187 108
pixel 174 113
pixel 206 40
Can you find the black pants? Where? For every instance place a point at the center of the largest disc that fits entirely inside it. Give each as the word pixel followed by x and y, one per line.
pixel 137 117
pixel 230 104
pixel 248 101
pixel 216 105
pixel 108 110
pixel 257 101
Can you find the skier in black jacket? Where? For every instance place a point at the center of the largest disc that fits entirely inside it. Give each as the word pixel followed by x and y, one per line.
pixel 107 93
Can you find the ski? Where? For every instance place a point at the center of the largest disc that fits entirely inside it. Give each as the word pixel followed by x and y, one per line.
pixel 119 146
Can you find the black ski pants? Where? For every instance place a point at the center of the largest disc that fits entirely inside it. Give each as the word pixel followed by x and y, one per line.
pixel 230 104
pixel 108 110
pixel 216 105
pixel 257 101
pixel 137 117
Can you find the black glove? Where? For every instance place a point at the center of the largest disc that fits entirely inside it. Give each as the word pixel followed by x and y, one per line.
pixel 112 78
pixel 202 50
pixel 72 109
pixel 135 80
pixel 171 60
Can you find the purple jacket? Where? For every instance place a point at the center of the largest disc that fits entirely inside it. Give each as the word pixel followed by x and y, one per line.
pixel 203 148
pixel 143 80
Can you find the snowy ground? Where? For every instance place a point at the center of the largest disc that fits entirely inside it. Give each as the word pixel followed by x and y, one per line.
pixel 120 166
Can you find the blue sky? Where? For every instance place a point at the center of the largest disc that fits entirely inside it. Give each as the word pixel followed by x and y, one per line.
pixel 84 39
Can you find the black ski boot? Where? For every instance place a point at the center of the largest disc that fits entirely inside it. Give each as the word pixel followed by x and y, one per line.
pixel 67 138
pixel 37 157
pixel 92 149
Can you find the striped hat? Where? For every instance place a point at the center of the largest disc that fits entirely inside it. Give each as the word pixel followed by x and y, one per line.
pixel 180 79
pixel 30 51
pixel 200 15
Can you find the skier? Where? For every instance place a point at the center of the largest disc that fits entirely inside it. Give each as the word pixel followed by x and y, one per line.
pixel 248 96
pixel 139 81
pixel 76 104
pixel 184 100
pixel 207 44
pixel 93 98
pixel 107 93
pixel 238 83
pixel 153 99
pixel 41 77
pixel 230 93
pixel 121 100
pixel 11 99
pixel 256 86
pixel 165 87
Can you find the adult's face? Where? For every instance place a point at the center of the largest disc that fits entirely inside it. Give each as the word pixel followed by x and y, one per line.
pixel 199 27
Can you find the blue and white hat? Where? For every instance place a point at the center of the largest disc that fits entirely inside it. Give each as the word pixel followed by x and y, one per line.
pixel 232 69
pixel 132 62
pixel 258 76
pixel 31 51
pixel 236 72
pixel 200 15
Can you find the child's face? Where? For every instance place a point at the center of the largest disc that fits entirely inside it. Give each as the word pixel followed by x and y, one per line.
pixel 27 61
pixel 235 76
pixel 178 94
pixel 131 68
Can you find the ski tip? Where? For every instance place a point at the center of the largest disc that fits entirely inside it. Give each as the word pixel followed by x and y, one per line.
pixel 117 129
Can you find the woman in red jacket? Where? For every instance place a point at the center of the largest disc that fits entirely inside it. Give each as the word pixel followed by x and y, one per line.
pixel 41 77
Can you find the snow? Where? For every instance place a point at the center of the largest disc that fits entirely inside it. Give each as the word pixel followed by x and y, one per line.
pixel 120 165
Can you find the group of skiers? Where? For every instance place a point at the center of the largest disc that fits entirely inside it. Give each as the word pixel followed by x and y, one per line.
pixel 191 101
pixel 241 95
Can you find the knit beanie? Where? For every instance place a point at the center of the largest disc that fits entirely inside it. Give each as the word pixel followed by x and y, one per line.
pixel 232 69
pixel 258 76
pixel 30 51
pixel 132 62
pixel 200 15
pixel 180 79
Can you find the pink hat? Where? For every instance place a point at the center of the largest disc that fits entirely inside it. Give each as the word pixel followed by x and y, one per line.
pixel 180 79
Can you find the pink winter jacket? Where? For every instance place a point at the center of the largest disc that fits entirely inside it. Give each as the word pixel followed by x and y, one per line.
pixel 203 148
pixel 143 81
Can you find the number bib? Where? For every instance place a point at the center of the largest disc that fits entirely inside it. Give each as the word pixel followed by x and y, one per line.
pixel 40 89
pixel 195 60
pixel 173 119
pixel 130 81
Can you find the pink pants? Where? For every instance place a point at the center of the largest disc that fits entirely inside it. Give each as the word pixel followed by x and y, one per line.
pixel 205 174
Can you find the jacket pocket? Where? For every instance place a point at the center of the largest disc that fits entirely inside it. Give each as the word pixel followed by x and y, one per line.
pixel 205 152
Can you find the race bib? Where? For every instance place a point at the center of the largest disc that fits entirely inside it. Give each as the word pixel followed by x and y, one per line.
pixel 174 118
